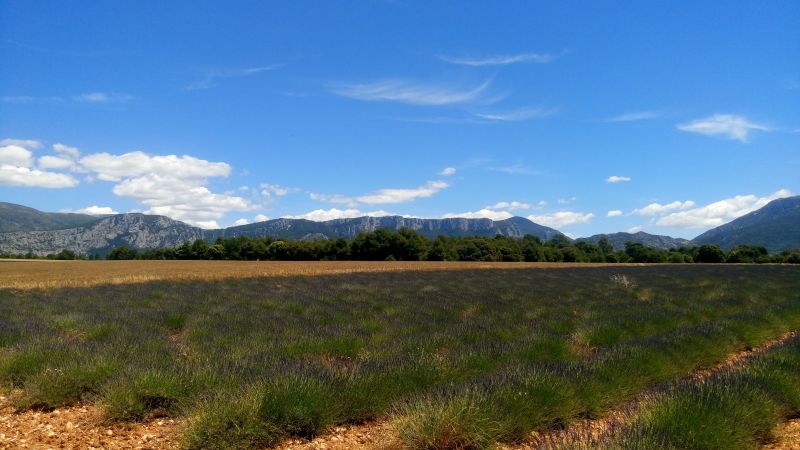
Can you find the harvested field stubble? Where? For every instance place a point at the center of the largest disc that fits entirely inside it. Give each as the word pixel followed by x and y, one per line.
pixel 33 274
pixel 448 359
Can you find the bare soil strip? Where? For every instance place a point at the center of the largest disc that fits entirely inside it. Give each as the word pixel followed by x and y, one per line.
pixel 82 426
pixel 33 274
pixel 787 436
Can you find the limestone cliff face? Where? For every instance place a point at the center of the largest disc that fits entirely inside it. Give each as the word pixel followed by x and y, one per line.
pixel 133 230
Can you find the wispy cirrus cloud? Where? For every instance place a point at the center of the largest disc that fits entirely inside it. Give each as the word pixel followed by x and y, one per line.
pixel 617 179
pixel 729 126
pixel 518 115
pixel 499 60
pixel 516 169
pixel 213 77
pixel 103 97
pixel 414 93
pixel 635 116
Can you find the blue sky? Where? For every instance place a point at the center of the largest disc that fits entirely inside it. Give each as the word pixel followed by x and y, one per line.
pixel 590 117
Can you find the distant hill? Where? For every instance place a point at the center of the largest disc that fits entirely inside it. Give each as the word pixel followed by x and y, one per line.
pixel 776 226
pixel 349 228
pixel 101 234
pixel 21 218
pixel 618 240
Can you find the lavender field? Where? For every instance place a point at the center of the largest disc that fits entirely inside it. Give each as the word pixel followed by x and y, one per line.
pixel 450 359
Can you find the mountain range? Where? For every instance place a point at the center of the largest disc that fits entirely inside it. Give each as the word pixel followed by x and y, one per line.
pixel 776 226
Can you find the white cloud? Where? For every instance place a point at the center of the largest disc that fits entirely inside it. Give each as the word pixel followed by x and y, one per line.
pixel 657 208
pixel 500 60
pixel 22 176
pixel 211 78
pixel 67 151
pixel 185 199
pixel 14 155
pixel 513 205
pixel 566 200
pixel 635 116
pixel 725 125
pixel 614 213
pixel 103 97
pixel 268 190
pixel 207 224
pixel 516 169
pixel 448 171
pixel 617 179
pixel 480 214
pixel 634 229
pixel 718 213
pixel 30 144
pixel 54 162
pixel 115 167
pixel 404 91
pixel 240 222
pixel 334 198
pixel 385 196
pixel 321 215
pixel 561 218
pixel 518 115
pixel 97 210
pixel 542 203
pixel 260 218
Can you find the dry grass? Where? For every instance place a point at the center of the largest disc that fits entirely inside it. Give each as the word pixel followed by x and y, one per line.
pixel 33 274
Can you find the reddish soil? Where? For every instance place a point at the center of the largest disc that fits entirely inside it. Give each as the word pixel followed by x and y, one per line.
pixel 81 427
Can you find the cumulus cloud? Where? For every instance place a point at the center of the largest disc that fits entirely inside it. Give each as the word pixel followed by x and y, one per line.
pixel 66 151
pixel 270 190
pixel 448 171
pixel 97 210
pixel 14 155
pixel 386 196
pixel 657 208
pixel 562 218
pixel 54 162
pixel 404 91
pixel 260 218
pixel 30 144
pixel 116 167
pixel 724 125
pixel 720 212
pixel 510 205
pixel 500 60
pixel 634 229
pixel 185 199
pixel 321 215
pixel 480 214
pixel 23 176
pixel 617 179
pixel 614 213
pixel 240 222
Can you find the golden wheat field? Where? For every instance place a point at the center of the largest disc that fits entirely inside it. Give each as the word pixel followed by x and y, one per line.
pixel 31 274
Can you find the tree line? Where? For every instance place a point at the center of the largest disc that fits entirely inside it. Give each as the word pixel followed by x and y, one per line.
pixel 409 245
